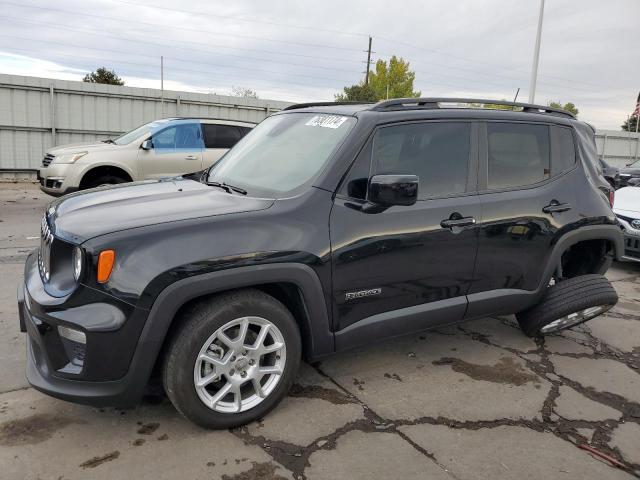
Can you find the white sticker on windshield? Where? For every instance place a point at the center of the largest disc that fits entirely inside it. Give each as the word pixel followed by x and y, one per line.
pixel 327 121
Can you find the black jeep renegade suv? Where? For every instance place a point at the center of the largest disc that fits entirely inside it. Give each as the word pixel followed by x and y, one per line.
pixel 328 226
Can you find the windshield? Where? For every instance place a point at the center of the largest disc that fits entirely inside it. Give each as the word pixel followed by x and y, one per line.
pixel 283 153
pixel 136 133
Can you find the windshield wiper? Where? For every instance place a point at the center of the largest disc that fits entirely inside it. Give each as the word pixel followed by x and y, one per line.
pixel 228 188
pixel 108 140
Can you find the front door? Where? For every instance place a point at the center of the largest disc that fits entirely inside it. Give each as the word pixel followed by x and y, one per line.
pixel 406 268
pixel 177 150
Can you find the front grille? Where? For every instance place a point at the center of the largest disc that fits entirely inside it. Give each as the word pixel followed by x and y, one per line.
pixel 44 256
pixel 48 158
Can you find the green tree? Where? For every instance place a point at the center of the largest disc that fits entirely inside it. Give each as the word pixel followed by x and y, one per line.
pixel 357 93
pixel 569 107
pixel 395 78
pixel 388 80
pixel 102 75
pixel 630 124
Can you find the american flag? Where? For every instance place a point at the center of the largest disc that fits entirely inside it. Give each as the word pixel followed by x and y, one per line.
pixel 636 112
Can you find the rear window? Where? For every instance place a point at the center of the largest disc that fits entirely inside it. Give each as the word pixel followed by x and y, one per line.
pixel 519 154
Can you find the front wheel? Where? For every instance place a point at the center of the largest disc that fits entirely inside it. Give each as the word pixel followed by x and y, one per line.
pixel 568 303
pixel 232 359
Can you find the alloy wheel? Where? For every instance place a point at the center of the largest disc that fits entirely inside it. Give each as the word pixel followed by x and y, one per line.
pixel 240 364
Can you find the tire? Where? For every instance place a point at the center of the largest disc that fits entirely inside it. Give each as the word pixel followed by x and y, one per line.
pixel 105 180
pixel 567 304
pixel 199 336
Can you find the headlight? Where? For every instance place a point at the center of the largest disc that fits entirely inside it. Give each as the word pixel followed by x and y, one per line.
pixel 69 157
pixel 77 262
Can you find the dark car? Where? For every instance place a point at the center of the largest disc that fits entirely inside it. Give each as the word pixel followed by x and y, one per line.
pixel 630 175
pixel 326 227
pixel 610 173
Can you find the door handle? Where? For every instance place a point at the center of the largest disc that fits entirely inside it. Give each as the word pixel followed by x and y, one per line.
pixel 555 207
pixel 458 222
pixel 191 157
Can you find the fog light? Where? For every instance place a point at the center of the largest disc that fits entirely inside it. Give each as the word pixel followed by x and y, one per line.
pixel 71 334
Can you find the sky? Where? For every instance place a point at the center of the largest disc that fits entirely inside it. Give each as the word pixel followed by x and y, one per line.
pixel 308 51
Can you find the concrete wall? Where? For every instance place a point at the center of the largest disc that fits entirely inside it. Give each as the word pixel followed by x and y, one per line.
pixel 617 147
pixel 38 113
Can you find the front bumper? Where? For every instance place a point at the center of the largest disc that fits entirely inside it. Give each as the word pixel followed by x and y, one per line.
pixel 59 179
pixel 631 247
pixel 631 238
pixel 106 374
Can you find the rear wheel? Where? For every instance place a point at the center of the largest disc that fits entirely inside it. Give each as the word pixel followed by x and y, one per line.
pixel 568 303
pixel 233 359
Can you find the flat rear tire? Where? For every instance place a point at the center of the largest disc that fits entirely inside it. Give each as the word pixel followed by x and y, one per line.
pixel 568 303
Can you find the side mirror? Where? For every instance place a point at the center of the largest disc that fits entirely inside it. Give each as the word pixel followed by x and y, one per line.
pixel 147 144
pixel 388 190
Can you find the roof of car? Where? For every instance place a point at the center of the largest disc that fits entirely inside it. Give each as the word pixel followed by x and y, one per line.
pixel 431 104
pixel 211 119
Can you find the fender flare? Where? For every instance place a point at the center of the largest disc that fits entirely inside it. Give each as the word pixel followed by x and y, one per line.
pixel 316 325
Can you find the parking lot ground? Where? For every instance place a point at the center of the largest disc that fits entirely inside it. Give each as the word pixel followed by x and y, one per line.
pixel 474 401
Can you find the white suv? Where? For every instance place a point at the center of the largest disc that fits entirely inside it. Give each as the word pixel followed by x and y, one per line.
pixel 163 148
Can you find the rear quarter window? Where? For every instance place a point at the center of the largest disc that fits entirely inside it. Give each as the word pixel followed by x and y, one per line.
pixel 563 150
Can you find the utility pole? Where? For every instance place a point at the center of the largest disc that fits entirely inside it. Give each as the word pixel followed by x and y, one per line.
pixel 536 55
pixel 366 78
pixel 162 85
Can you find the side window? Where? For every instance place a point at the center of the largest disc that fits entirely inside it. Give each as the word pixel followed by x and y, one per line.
pixel 221 136
pixel 563 150
pixel 244 131
pixel 518 154
pixel 184 136
pixel 437 152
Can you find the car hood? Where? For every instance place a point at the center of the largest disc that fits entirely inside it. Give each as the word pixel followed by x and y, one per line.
pixel 90 213
pixel 627 201
pixel 83 147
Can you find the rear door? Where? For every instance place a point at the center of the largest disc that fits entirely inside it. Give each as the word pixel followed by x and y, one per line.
pixel 386 261
pixel 218 139
pixel 527 180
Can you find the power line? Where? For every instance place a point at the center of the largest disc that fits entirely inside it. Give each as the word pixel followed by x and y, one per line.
pixel 241 19
pixel 139 22
pixel 492 65
pixel 67 27
pixel 288 74
pixel 180 60
pixel 123 52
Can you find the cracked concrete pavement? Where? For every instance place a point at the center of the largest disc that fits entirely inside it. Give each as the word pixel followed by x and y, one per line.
pixel 477 400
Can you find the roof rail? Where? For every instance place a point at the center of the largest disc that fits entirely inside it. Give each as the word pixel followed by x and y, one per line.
pixel 296 106
pixel 435 103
